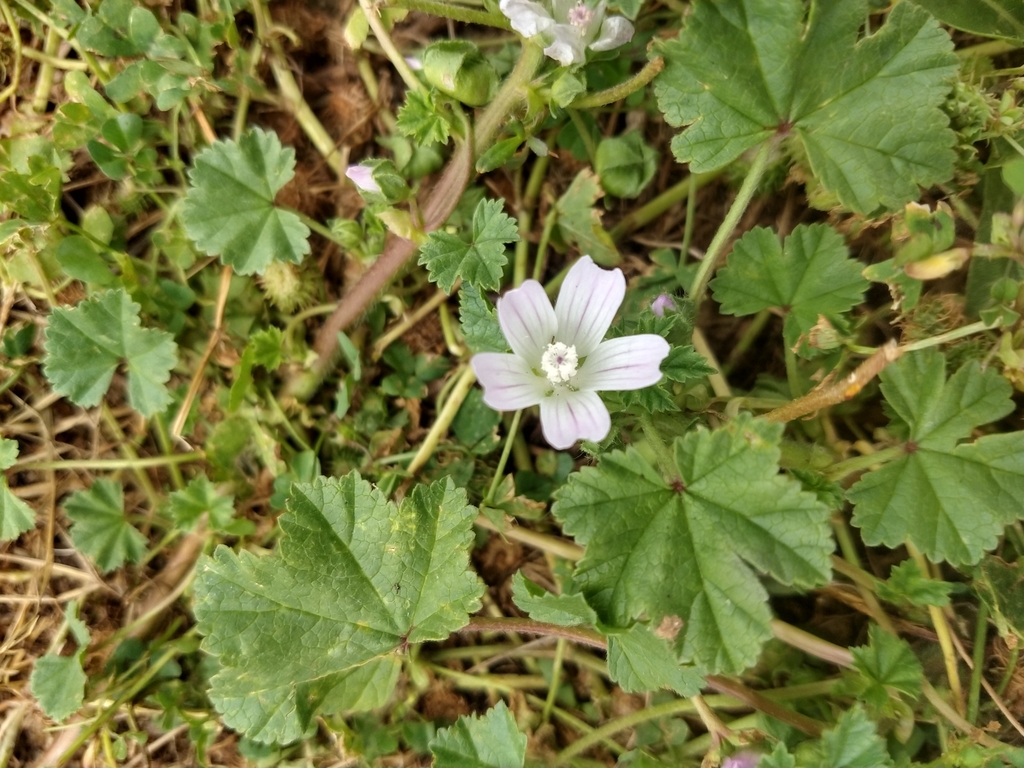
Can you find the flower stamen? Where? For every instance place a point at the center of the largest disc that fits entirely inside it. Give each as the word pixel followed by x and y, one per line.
pixel 559 363
pixel 580 16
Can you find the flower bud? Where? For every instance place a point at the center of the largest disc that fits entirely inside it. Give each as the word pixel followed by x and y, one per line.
pixel 457 68
pixel 378 181
pixel 939 265
pixel 661 304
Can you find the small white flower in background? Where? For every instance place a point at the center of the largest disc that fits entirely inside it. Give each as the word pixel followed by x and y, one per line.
pixel 559 360
pixel 362 177
pixel 568 27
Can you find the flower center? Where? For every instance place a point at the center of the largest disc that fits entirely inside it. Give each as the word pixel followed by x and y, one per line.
pixel 580 16
pixel 559 362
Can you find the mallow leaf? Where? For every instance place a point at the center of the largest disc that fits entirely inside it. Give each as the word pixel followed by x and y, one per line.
pixel 950 499
pixel 639 661
pixel 490 741
pixel 887 662
pixel 480 261
pixel 229 210
pixel 355 579
pixel 866 111
pixel 101 530
pixel 16 516
pixel 541 605
pixel 685 547
pixel 810 274
pixel 989 18
pixel 85 344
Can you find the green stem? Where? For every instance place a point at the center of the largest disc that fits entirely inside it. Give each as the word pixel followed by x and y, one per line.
pixel 622 90
pixel 1011 668
pixel 88 731
pixel 394 55
pixel 579 635
pixel 750 334
pixel 841 469
pixel 454 12
pixel 648 212
pixel 509 97
pixel 691 214
pixel 499 471
pixel 526 210
pixel 792 373
pixel 44 79
pixel 556 676
pixel 444 419
pixel 942 338
pixel 541 259
pixel 732 219
pixel 657 442
pixel 112 465
pixel 584 132
pixel 978 658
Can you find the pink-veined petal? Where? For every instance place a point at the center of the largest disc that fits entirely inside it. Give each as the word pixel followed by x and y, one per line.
pixel 528 18
pixel 508 382
pixel 568 416
pixel 631 362
pixel 527 320
pixel 587 304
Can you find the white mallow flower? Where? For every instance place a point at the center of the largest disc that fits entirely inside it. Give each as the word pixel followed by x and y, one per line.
pixel 569 27
pixel 362 177
pixel 559 360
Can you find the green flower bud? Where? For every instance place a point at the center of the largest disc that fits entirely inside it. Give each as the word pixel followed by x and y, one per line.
pixel 378 181
pixel 458 69
pixel 625 164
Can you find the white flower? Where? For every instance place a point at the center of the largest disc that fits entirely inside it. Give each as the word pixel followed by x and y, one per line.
pixel 559 360
pixel 362 177
pixel 569 27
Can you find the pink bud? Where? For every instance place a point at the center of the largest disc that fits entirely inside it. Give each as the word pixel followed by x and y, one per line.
pixel 662 303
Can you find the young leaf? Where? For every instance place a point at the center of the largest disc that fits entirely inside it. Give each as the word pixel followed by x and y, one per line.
pixel 199 496
pixel 676 548
pixel 479 262
pixel 854 743
pixel 639 661
pixel 16 516
pixel 85 344
pixel 490 741
pixel 685 363
pixel 229 210
pixel 354 579
pixel 743 70
pixel 479 322
pixel 420 120
pixel 951 501
pixel 541 605
pixel 887 662
pixel 58 683
pixel 810 275
pixel 580 222
pixel 101 529
pixel 906 583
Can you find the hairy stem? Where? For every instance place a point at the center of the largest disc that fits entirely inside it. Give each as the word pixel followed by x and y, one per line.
pixel 454 12
pixel 530 627
pixel 732 219
pixel 622 90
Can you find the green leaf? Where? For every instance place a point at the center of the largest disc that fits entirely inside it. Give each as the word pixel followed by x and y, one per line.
pixel 990 18
pixel 80 260
pixel 887 662
pixel 685 363
pixel 267 347
pixel 479 262
pixel 199 496
pixel 541 605
pixel 639 661
pixel 8 453
pixel 85 345
pixel 229 210
pixel 490 741
pixel 580 222
pixel 58 683
pixel 420 119
pixel 951 501
pixel 354 579
pixel 101 529
pixel 677 548
pixel 745 70
pixel 854 743
pixel 479 322
pixel 476 424
pixel 107 32
pixel 906 583
pixel 16 516
pixel 810 275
